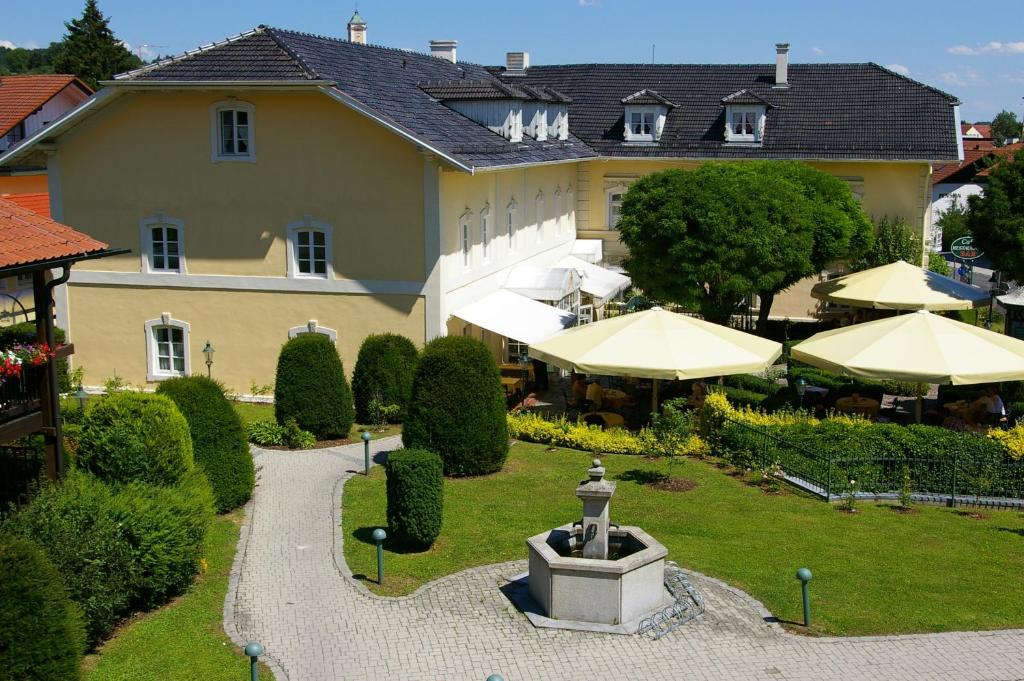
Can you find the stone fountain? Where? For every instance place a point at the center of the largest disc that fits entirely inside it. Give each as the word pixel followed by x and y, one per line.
pixel 594 574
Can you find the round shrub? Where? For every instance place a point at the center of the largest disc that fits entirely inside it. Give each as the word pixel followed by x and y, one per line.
pixel 458 407
pixel 311 387
pixel 41 633
pixel 218 438
pixel 75 525
pixel 134 436
pixel 383 372
pixel 166 527
pixel 415 488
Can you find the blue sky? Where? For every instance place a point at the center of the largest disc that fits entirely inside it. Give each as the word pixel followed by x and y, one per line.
pixel 949 44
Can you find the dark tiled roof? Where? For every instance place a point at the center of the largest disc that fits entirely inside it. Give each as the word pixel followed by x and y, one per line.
pixel 743 97
pixel 473 89
pixel 646 97
pixel 829 111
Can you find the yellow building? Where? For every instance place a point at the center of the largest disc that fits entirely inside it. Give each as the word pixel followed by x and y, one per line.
pixel 281 183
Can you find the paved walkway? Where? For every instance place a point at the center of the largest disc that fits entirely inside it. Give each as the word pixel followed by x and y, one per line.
pixel 292 591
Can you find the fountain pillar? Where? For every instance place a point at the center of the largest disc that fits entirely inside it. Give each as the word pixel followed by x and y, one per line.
pixel 595 494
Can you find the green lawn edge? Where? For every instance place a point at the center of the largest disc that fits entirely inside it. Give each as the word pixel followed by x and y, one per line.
pixel 875 572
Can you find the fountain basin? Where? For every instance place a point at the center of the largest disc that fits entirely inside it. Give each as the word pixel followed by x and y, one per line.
pixel 611 591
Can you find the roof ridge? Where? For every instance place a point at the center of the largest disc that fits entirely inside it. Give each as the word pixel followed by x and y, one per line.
pixel 310 72
pixel 128 75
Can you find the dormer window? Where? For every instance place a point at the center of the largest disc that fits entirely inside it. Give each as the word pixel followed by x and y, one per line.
pixel 745 116
pixel 645 113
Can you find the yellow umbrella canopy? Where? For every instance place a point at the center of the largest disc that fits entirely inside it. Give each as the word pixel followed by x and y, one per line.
pixel 657 344
pixel 921 347
pixel 900 286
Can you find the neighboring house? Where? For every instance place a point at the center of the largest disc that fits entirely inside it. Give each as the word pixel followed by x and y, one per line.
pixel 308 184
pixel 977 136
pixel 955 182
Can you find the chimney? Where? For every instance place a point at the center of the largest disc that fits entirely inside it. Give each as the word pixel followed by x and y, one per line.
pixel 516 63
pixel 357 29
pixel 781 65
pixel 444 49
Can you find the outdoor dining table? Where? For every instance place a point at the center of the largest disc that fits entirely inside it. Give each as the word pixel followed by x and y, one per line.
pixel 610 418
pixel 511 384
pixel 507 368
pixel 614 398
pixel 858 405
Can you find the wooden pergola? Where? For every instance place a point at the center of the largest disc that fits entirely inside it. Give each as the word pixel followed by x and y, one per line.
pixel 33 244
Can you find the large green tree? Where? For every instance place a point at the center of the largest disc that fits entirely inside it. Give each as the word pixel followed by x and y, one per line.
pixel 91 51
pixel 996 218
pixel 1005 127
pixel 709 237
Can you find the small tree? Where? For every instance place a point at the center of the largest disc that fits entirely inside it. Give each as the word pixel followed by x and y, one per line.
pixel 218 438
pixel 1005 128
pixel 310 387
pixel 458 407
pixel 894 241
pixel 938 264
pixel 90 49
pixel 135 436
pixel 41 632
pixel 996 218
pixel 415 491
pixel 383 373
pixel 953 222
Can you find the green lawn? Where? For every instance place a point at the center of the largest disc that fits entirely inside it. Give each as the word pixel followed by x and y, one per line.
pixel 875 572
pixel 184 639
pixel 253 411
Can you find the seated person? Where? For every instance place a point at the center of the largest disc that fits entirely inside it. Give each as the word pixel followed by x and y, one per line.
pixel 579 388
pixel 698 393
pixel 595 393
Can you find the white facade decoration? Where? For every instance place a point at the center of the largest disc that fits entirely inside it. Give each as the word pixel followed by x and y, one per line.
pixel 501 116
pixel 312 326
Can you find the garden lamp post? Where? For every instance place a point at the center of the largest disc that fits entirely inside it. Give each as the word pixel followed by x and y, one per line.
pixel 366 452
pixel 801 388
pixel 379 535
pixel 524 364
pixel 253 650
pixel 804 575
pixel 208 353
pixel 81 396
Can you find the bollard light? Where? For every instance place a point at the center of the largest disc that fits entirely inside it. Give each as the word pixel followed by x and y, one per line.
pixel 495 677
pixel 801 388
pixel 253 649
pixel 804 575
pixel 379 536
pixel 366 452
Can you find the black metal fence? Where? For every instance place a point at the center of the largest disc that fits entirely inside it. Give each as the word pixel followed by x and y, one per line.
pixel 21 472
pixel 962 475
pixel 19 395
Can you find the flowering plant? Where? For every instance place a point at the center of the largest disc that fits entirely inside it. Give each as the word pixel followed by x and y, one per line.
pixel 12 360
pixel 10 364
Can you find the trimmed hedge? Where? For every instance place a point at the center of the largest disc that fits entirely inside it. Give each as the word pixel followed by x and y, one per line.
pixel 311 387
pixel 25 332
pixel 134 436
pixel 672 435
pixel 41 632
pixel 458 407
pixel 384 371
pixel 219 441
pixel 415 490
pixel 74 525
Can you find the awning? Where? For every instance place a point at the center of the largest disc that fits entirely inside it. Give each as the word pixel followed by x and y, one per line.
pixel 589 250
pixel 543 283
pixel 515 316
pixel 600 282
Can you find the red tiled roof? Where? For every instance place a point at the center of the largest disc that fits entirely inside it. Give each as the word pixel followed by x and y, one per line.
pixel 984 129
pixel 976 158
pixel 20 96
pixel 27 237
pixel 38 202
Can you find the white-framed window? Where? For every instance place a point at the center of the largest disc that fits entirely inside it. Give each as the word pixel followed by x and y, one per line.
pixel 510 224
pixel 644 123
pixel 310 252
pixel 465 240
pixel 559 212
pixel 163 244
pixel 744 123
pixel 614 198
pixel 641 125
pixel 167 349
pixel 233 131
pixel 540 213
pixel 485 233
pixel 312 326
pixel 514 350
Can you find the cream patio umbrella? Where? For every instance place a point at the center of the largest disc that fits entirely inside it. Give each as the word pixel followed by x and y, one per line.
pixel 900 286
pixel 657 344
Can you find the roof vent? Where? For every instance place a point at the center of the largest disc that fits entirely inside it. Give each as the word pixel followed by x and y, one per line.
pixel 781 65
pixel 444 49
pixel 516 63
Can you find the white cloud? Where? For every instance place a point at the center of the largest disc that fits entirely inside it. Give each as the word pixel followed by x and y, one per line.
pixel 28 44
pixel 817 51
pixel 590 3
pixel 993 47
pixel 961 78
pixel 898 68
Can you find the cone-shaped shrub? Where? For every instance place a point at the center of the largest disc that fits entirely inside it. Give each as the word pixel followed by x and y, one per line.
pixel 415 490
pixel 218 438
pixel 135 436
pixel 311 387
pixel 458 407
pixel 384 371
pixel 41 634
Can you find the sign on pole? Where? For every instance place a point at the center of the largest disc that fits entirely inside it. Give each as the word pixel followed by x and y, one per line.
pixel 965 249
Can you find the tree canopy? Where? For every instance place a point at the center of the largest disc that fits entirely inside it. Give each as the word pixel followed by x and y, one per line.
pixel 996 218
pixel 894 240
pixel 709 237
pixel 91 51
pixel 1005 127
